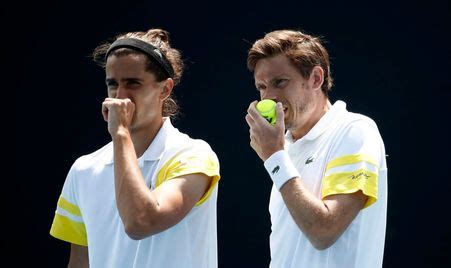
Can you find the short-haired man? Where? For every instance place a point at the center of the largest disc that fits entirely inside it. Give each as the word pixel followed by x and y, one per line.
pixel 329 199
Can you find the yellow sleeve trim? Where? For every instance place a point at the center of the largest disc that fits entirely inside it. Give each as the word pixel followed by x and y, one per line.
pixel 350 159
pixel 69 207
pixel 351 182
pixel 198 163
pixel 214 181
pixel 161 176
pixel 68 230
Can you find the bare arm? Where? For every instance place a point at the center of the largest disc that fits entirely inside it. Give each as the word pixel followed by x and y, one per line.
pixel 78 257
pixel 146 212
pixel 322 221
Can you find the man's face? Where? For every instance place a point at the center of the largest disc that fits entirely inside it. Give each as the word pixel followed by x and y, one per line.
pixel 276 78
pixel 126 77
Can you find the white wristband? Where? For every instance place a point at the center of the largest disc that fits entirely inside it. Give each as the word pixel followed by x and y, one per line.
pixel 280 168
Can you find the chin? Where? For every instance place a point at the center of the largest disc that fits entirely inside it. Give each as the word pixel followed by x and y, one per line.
pixel 288 125
pixel 287 121
pixel 133 127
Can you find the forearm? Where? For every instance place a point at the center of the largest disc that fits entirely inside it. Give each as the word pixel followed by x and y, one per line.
pixel 321 220
pixel 79 257
pixel 309 212
pixel 133 197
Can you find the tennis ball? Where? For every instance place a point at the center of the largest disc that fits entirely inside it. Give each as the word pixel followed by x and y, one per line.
pixel 267 109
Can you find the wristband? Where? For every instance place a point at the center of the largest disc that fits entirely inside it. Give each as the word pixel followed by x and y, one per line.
pixel 280 168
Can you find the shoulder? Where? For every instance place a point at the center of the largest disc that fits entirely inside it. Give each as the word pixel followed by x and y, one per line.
pixel 357 134
pixel 186 155
pixel 179 141
pixel 358 120
pixel 99 157
pixel 358 127
pixel 195 148
pixel 189 154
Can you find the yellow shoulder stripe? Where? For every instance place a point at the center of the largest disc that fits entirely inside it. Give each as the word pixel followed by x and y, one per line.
pixel 351 182
pixel 351 159
pixel 68 230
pixel 161 175
pixel 69 207
pixel 214 181
pixel 180 165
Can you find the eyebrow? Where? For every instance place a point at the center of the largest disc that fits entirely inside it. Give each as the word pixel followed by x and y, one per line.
pixel 277 77
pixel 130 79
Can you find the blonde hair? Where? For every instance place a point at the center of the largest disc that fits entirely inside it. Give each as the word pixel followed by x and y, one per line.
pixel 303 50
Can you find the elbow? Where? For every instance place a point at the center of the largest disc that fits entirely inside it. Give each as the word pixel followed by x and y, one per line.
pixel 322 244
pixel 138 229
pixel 322 239
pixel 134 234
pixel 322 232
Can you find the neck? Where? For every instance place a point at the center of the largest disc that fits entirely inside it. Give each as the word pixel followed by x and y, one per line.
pixel 143 136
pixel 312 117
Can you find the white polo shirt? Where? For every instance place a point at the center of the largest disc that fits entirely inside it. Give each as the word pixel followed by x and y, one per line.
pixel 87 214
pixel 341 154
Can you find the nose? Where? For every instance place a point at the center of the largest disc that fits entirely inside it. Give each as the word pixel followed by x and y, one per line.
pixel 121 93
pixel 269 93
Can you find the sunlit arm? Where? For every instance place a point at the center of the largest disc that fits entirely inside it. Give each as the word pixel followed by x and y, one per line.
pixel 322 221
pixel 145 212
pixel 79 257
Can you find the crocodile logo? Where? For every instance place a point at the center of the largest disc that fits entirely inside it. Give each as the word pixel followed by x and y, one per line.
pixel 309 160
pixel 275 170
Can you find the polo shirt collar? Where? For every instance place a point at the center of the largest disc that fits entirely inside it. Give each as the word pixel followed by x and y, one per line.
pixel 156 147
pixel 328 119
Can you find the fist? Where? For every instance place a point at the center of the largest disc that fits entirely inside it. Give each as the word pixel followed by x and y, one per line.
pixel 265 138
pixel 118 113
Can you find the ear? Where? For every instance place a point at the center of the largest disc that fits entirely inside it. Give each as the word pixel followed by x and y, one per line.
pixel 316 78
pixel 167 89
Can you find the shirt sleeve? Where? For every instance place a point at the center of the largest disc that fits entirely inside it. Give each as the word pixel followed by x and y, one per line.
pixel 355 162
pixel 189 161
pixel 68 222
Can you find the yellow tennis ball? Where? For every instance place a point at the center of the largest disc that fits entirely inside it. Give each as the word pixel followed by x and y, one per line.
pixel 267 109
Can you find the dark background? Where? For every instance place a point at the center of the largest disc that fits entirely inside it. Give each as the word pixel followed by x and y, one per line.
pixel 390 61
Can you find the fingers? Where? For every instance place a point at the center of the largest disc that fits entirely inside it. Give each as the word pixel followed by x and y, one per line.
pixel 280 120
pixel 252 105
pixel 108 103
pixel 254 114
pixel 249 120
pixel 105 112
pixel 252 110
pixel 119 106
pixel 252 144
pixel 265 138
